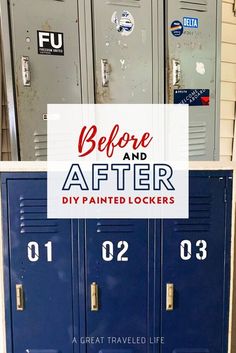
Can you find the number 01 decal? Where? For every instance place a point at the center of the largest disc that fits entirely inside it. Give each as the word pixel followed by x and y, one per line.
pixel 34 254
pixel 186 250
pixel 108 251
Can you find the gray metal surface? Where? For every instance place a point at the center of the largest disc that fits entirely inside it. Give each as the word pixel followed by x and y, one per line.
pixel 129 55
pixel 54 78
pixel 197 51
pixel 86 50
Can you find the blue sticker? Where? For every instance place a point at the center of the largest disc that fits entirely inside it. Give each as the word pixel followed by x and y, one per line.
pixel 176 28
pixel 192 97
pixel 124 25
pixel 190 22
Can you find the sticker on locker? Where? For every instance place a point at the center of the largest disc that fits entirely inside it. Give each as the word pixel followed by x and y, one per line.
pixel 192 97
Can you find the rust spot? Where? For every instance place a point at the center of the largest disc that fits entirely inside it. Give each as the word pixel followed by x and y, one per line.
pixel 46 26
pixel 169 88
pixel 102 94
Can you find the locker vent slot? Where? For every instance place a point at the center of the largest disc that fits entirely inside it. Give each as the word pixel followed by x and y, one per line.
pixel 194 5
pixel 40 146
pixel 33 217
pixel 190 350
pixel 132 3
pixel 115 226
pixel 197 139
pixel 199 216
pixel 42 350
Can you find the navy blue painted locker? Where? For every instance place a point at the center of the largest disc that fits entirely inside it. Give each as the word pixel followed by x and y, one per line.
pixel 120 259
pixel 66 280
pixel 196 260
pixel 39 259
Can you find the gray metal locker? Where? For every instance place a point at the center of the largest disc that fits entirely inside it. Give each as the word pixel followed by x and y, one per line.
pixel 193 70
pixel 123 51
pixel 46 63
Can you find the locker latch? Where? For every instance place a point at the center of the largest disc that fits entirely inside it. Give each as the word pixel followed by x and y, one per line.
pixel 25 65
pixel 105 68
pixel 19 297
pixel 94 297
pixel 176 72
pixel 169 296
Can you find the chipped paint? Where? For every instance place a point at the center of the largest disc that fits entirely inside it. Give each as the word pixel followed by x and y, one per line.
pixel 123 67
pixel 46 26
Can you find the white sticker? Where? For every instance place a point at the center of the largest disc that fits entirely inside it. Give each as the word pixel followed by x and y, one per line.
pixel 200 68
pixel 124 25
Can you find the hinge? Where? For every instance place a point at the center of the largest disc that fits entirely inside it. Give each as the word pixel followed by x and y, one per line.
pixel 225 195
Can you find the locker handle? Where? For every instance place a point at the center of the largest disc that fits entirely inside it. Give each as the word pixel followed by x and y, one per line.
pixel 169 296
pixel 25 67
pixel 176 70
pixel 105 68
pixel 19 297
pixel 94 297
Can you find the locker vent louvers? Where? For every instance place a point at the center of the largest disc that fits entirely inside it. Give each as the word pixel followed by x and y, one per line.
pixel 197 139
pixel 190 350
pixel 194 5
pixel 132 3
pixel 115 226
pixel 40 146
pixel 199 216
pixel 33 217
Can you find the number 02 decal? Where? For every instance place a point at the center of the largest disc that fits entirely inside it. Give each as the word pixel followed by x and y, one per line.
pixel 186 250
pixel 108 250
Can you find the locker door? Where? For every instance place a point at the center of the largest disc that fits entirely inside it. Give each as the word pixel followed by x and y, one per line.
pixel 192 56
pixel 123 51
pixel 120 256
pixel 196 255
pixel 40 262
pixel 49 42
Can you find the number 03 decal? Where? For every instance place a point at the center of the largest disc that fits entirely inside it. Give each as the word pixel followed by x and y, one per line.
pixel 186 250
pixel 202 246
pixel 108 251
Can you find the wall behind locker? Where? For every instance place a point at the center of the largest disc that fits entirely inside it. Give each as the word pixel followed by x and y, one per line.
pixel 228 79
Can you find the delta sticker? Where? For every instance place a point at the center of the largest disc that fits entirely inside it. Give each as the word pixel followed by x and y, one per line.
pixel 177 28
pixel 190 22
pixel 192 97
pixel 124 25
